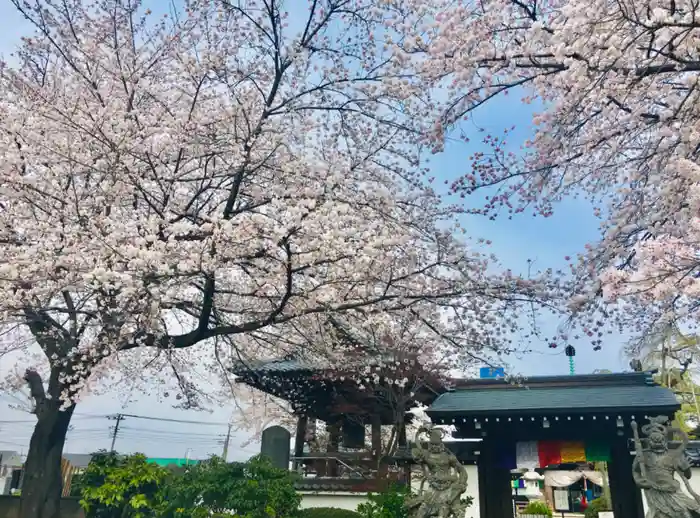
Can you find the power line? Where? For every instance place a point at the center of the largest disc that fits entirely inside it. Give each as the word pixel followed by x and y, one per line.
pixel 169 432
pixel 135 416
pixel 34 421
pixel 184 421
pixel 134 434
pixel 23 445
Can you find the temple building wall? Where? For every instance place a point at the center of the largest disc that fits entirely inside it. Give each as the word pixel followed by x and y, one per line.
pixel 341 500
pixel 473 491
pixel 350 501
pixel 694 484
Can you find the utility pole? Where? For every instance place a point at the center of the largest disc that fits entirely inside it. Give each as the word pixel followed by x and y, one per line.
pixel 118 418
pixel 228 438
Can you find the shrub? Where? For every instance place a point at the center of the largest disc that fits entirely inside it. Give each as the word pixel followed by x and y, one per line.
pixel 392 503
pixel 129 487
pixel 389 504
pixel 215 488
pixel 328 512
pixel 122 487
pixel 595 506
pixel 536 507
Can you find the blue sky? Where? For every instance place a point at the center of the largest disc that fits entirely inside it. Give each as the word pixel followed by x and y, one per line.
pixel 515 241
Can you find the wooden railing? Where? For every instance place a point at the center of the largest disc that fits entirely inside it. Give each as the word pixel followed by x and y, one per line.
pixel 373 485
pixel 350 471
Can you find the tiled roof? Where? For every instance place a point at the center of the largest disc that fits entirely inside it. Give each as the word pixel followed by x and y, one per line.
pixel 78 460
pixel 604 392
pixel 293 365
pixel 10 458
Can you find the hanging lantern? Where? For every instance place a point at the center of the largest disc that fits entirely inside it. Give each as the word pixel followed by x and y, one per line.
pixel 570 353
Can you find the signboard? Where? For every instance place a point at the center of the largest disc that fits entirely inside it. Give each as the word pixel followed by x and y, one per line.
pixel 561 500
pixel 606 514
pixel 492 372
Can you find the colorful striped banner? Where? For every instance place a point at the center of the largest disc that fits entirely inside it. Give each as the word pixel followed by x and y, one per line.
pixel 534 454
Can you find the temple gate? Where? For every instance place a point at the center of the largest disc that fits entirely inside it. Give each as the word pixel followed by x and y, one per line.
pixel 593 412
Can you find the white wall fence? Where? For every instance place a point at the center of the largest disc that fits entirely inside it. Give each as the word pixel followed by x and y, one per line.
pixel 350 501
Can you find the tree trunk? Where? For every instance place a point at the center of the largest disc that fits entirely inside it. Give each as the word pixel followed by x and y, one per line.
pixel 42 485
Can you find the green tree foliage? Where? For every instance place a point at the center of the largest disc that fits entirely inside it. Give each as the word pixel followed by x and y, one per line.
pixel 392 503
pixel 122 487
pixel 388 504
pixel 597 505
pixel 688 392
pixel 538 508
pixel 216 489
pixel 116 486
pixel 672 354
pixel 606 497
pixel 328 512
pixel 76 485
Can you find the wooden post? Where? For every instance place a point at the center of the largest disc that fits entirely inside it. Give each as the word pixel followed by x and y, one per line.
pixel 333 443
pixel 403 443
pixel 626 496
pixel 376 436
pixel 376 421
pixel 482 471
pixel 495 493
pixel 299 439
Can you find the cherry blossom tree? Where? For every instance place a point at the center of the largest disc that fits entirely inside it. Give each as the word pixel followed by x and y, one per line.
pixel 615 88
pixel 191 187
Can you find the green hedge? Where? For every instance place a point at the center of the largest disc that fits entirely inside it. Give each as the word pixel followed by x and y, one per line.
pixel 597 505
pixel 327 512
pixel 538 508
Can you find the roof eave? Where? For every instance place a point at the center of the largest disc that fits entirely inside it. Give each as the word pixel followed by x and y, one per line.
pixel 658 409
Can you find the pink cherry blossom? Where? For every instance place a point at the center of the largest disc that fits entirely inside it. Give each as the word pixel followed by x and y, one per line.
pixel 180 192
pixel 616 83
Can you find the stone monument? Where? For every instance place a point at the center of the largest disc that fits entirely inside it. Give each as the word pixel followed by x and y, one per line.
pixel 275 445
pixel 655 466
pixel 444 474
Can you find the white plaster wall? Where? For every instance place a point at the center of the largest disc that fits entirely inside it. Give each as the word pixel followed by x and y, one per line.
pixel 5 485
pixel 350 501
pixel 694 484
pixel 473 491
pixel 695 479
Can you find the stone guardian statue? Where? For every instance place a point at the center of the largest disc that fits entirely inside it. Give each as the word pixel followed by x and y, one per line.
pixel 444 474
pixel 654 469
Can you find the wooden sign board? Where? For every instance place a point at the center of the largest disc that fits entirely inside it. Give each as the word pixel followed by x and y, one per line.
pixel 561 500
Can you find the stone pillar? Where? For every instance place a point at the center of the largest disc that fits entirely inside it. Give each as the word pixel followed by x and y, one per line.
pixel 275 446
